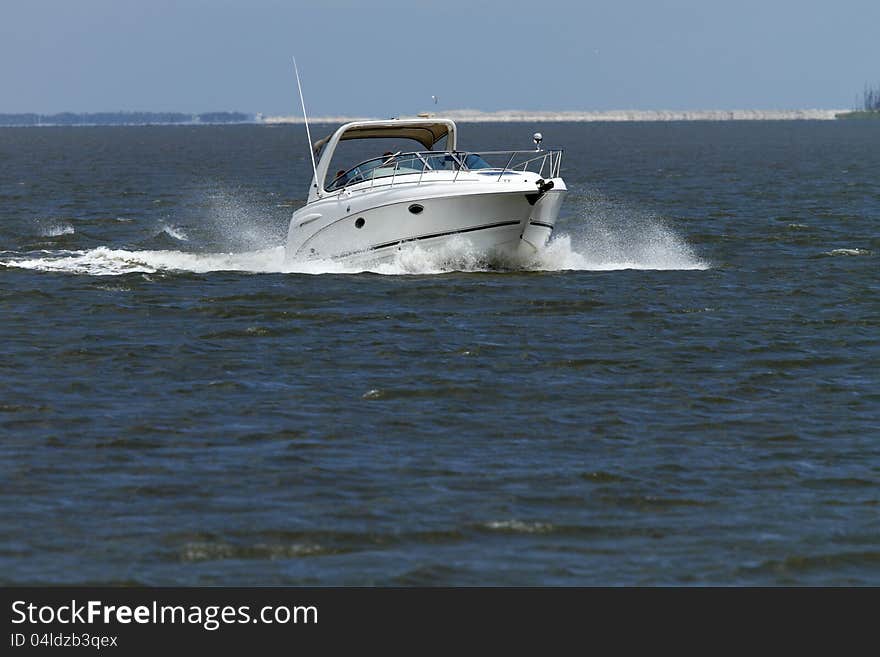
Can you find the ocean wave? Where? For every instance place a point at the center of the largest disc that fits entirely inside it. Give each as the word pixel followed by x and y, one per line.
pixel 174 233
pixel 217 551
pixel 847 252
pixel 518 527
pixel 105 261
pixel 56 229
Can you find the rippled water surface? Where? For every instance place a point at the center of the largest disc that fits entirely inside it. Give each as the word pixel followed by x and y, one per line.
pixel 683 389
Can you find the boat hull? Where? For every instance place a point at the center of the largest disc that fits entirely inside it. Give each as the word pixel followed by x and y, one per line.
pixel 513 221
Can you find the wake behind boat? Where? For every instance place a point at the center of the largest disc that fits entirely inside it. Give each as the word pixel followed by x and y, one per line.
pixel 502 203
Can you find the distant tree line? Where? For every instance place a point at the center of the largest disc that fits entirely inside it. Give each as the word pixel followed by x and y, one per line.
pixel 124 118
pixel 871 100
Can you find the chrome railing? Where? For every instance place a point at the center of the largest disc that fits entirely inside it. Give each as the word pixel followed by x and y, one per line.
pixel 386 170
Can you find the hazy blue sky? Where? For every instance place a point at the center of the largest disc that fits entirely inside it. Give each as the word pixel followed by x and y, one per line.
pixel 389 56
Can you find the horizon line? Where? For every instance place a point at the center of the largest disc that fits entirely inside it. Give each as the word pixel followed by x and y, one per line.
pixel 462 115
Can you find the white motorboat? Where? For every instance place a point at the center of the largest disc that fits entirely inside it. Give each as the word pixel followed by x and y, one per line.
pixel 500 203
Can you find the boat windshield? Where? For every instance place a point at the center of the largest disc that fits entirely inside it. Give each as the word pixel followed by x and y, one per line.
pixel 474 161
pixel 397 164
pixel 379 167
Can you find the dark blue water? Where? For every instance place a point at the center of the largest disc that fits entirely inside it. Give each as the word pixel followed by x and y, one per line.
pixel 685 389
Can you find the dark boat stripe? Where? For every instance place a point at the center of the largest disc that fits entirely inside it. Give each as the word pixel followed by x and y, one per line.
pixel 449 232
pixel 541 224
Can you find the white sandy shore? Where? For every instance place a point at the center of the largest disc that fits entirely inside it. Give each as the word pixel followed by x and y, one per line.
pixel 510 116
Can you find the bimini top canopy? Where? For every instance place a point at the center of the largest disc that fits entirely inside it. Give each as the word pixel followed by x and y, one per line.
pixel 426 132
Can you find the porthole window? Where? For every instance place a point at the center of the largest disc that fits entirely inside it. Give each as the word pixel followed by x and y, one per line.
pixel 415 208
pixel 359 223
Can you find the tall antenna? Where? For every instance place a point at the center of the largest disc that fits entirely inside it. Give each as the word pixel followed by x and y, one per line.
pixel 306 118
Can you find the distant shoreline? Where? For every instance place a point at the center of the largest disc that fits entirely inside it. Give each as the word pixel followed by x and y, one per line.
pixel 32 119
pixel 523 116
pixel 461 115
pixel 860 115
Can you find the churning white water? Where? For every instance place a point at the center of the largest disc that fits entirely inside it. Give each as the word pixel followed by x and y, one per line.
pixel 595 248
